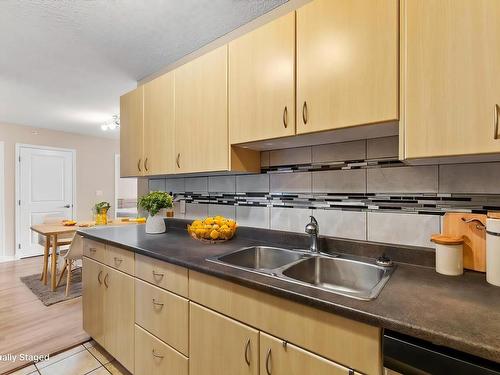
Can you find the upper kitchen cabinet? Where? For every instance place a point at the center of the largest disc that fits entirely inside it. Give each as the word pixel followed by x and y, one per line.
pixel 131 133
pixel 262 82
pixel 159 119
pixel 201 126
pixel 450 77
pixel 347 63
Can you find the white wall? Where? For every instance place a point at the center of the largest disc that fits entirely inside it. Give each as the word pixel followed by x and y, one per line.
pixel 95 166
pixel 2 201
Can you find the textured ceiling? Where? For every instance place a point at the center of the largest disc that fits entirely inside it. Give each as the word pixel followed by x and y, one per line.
pixel 64 63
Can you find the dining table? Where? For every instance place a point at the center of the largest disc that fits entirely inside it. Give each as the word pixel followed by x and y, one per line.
pixel 53 234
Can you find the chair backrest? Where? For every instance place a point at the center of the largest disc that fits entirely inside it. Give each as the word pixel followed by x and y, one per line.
pixel 76 248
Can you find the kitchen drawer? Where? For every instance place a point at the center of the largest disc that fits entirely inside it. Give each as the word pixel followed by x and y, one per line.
pixel 163 314
pixel 162 274
pixel 153 357
pixel 95 250
pixel 120 259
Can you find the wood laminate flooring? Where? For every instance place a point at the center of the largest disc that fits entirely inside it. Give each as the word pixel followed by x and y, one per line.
pixel 29 327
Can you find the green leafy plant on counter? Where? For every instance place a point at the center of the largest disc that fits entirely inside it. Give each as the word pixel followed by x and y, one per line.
pixel 155 201
pixel 99 207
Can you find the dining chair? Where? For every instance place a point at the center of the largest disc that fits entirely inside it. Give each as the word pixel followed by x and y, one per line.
pixel 62 244
pixel 74 253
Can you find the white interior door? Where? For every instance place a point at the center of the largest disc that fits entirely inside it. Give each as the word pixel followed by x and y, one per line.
pixel 45 189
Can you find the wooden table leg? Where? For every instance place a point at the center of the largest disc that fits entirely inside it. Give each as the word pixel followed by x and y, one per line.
pixel 45 270
pixel 53 272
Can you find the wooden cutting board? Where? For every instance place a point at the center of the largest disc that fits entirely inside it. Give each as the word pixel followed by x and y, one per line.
pixel 474 238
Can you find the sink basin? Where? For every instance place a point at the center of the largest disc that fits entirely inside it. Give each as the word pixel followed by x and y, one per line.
pixel 330 273
pixel 342 276
pixel 261 257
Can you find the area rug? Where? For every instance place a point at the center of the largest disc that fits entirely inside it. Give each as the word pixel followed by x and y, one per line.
pixel 48 297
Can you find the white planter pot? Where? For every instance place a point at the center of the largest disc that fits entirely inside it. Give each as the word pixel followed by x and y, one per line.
pixel 156 223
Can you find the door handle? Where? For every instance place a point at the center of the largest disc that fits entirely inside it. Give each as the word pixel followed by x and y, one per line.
pixel 146 164
pixel 495 121
pixel 178 160
pixel 247 352
pixel 285 117
pixel 139 165
pixel 304 113
pixel 105 283
pixel 269 368
pixel 67 206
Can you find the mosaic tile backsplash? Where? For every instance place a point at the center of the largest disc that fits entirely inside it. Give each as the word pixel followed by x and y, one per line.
pixel 356 190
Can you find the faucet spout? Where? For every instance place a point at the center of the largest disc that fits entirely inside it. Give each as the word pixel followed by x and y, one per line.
pixel 312 229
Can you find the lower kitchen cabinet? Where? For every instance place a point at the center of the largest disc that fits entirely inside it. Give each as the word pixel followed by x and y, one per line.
pixel 93 299
pixel 153 357
pixel 108 310
pixel 277 357
pixel 219 345
pixel 162 313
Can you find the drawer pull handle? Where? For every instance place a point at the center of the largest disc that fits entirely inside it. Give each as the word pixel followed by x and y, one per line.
pixel 247 352
pixel 157 355
pixel 269 368
pixel 285 117
pixel 158 303
pixel 99 277
pixel 496 120
pixel 139 165
pixel 177 161
pixel 157 275
pixel 106 278
pixel 146 164
pixel 118 260
pixel 92 249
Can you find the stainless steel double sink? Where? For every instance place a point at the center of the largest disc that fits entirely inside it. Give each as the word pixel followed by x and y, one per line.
pixel 330 273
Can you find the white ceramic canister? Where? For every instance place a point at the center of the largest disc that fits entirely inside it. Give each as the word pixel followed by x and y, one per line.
pixel 493 251
pixel 449 255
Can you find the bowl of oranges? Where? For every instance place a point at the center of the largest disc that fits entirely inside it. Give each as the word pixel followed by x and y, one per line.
pixel 212 229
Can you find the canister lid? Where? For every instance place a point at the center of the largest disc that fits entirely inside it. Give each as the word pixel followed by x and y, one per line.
pixel 493 225
pixel 443 239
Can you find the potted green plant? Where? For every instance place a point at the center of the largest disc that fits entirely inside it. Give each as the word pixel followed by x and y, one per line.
pixel 155 203
pixel 101 213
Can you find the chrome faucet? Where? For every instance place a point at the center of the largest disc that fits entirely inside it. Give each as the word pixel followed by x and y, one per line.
pixel 312 229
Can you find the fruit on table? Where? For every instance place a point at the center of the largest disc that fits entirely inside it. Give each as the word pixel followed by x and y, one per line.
pixel 213 228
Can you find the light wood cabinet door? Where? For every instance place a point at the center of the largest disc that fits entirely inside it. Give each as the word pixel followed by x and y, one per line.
pixel 201 132
pixel 262 82
pixel 153 357
pixel 93 299
pixel 159 125
pixel 119 316
pixel 220 346
pixel 347 63
pixel 131 133
pixel 277 357
pixel 451 77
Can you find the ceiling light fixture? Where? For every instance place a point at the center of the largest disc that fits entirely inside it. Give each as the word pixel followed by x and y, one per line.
pixel 112 124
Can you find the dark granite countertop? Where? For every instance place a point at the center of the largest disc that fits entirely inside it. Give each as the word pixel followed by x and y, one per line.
pixel 461 312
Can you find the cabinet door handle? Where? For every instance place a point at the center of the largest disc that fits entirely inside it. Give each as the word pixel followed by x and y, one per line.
pixel 304 113
pixel 155 303
pixel 106 278
pixel 146 164
pixel 139 165
pixel 92 249
pixel 177 161
pixel 99 277
pixel 157 275
pixel 497 115
pixel 285 117
pixel 247 352
pixel 118 260
pixel 269 368
pixel 157 355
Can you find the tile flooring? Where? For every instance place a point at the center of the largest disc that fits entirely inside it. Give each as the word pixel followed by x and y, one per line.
pixel 86 359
